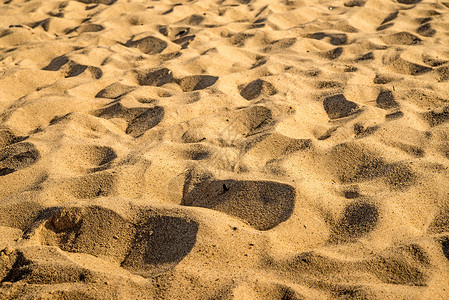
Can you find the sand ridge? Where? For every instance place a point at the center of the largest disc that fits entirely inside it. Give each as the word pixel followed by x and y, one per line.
pixel 237 149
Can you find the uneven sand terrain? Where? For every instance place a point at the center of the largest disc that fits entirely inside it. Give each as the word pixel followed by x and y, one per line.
pixel 224 149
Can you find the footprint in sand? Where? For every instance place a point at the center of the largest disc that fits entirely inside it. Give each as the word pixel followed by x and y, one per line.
pixel 359 218
pixel 114 91
pixel 385 100
pixel 256 88
pixel 353 162
pixel 336 39
pixel 147 245
pixel 90 186
pixel 17 156
pixel 157 77
pixel 261 204
pixel 338 107
pixel 196 82
pixel 148 45
pixel 139 119
pixel 86 158
pixel 105 2
pixel 71 68
pixel 437 116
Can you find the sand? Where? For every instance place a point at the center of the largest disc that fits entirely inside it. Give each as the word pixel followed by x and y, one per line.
pixel 225 149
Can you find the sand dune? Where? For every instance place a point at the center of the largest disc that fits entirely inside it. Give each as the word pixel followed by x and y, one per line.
pixel 236 149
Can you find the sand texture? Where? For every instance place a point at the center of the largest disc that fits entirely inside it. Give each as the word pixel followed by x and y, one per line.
pixel 224 149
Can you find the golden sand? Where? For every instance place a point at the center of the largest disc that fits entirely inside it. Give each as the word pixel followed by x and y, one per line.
pixel 224 149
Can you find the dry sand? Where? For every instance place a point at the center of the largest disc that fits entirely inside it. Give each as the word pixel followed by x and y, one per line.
pixel 224 149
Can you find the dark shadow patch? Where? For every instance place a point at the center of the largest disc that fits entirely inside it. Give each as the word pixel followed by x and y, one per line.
pixel 355 3
pixel 76 70
pixel 333 53
pixel 384 26
pixel 184 41
pixel 20 269
pixel 327 134
pixel 437 116
pixel 160 244
pixel 96 72
pixel 261 204
pixel 351 194
pixel 71 68
pixel 196 82
pixel 353 163
pixel 195 19
pixel 336 39
pixel 385 100
pixel 442 74
pixel 182 31
pixel 197 152
pixel 445 247
pixel 348 292
pixel 17 156
pixel 114 91
pixel 240 38
pixel 440 223
pixel 168 11
pixel 280 44
pixel 359 218
pixel 329 85
pixel 117 110
pixel 89 28
pixel 57 63
pixel 382 79
pixel 86 28
pixel 390 17
pixel 432 61
pixel 140 119
pixel 260 61
pixel 423 20
pixel 145 121
pixel 148 45
pixel 97 158
pixel 402 38
pixel 362 131
pixel 365 57
pixel 338 107
pixel 402 66
pixel 350 69
pixel 44 24
pixel 394 116
pixel 417 252
pixel 409 2
pixel 412 150
pixel 394 269
pixel 163 30
pixel 89 230
pixel 105 2
pixel 426 30
pixel 6 171
pixel 256 88
pixel 399 175
pixel 7 137
pixel 249 121
pixel 156 78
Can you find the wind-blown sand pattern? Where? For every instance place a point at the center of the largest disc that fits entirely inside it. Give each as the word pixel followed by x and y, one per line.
pixel 225 149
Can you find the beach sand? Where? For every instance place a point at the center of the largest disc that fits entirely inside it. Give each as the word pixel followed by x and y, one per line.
pixel 225 149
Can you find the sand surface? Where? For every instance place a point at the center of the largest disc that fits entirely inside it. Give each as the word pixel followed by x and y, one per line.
pixel 224 149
